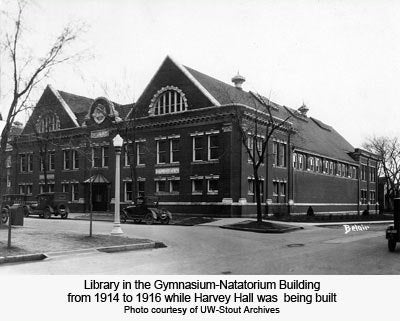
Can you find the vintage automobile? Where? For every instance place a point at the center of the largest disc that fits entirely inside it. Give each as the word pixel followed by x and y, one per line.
pixel 49 204
pixel 13 199
pixel 145 209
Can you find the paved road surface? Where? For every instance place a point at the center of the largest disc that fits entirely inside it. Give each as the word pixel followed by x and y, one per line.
pixel 208 249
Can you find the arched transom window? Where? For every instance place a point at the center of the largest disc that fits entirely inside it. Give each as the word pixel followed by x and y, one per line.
pixel 168 100
pixel 48 122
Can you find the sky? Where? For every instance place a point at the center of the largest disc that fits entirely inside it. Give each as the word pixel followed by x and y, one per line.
pixel 341 58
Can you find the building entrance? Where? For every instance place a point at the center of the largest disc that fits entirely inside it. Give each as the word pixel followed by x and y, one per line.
pixel 100 197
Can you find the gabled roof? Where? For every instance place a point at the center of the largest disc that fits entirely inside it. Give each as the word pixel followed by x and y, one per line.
pixel 312 135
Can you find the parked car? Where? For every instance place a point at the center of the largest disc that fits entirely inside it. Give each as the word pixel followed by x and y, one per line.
pixel 13 199
pixel 145 209
pixel 49 204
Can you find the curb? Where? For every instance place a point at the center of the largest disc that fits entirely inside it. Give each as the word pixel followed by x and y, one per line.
pixel 106 249
pixel 22 258
pixel 272 231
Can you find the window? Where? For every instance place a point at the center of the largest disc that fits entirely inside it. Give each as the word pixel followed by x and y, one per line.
pixel 325 165
pixel 174 150
pixel 354 172
pixel 197 148
pixel 8 161
pixel 128 188
pixel 29 189
pixel 250 181
pixel 162 186
pixel 47 123
pixel 197 186
pixel 141 188
pixel 212 186
pixel 161 151
pixel 174 186
pixel 22 163
pixel 295 161
pixel 363 172
pixel 21 189
pixel 372 199
pixel 66 154
pixel 282 155
pixel 275 192
pixel 168 100
pixel 331 171
pixel 364 196
pixel 30 162
pixel 318 165
pixel 140 160
pixel 282 191
pixel 52 155
pixel 51 187
pixel 213 147
pixel 301 161
pixel 372 174
pixel 65 187
pixel 75 192
pixel 339 169
pixel 75 159
pixel 104 156
pixel 96 156
pixel 311 163
pixel 275 153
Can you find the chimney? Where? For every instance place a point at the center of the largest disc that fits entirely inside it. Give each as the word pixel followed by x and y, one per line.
pixel 238 80
pixel 303 109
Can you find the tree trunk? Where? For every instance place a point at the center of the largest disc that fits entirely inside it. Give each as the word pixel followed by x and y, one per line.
pixel 258 196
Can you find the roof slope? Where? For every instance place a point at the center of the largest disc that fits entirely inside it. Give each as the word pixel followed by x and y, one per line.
pixel 311 134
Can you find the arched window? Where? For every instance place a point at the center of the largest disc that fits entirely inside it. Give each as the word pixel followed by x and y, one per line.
pixel 168 100
pixel 48 122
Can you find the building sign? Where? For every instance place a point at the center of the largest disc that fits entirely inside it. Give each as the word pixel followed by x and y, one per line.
pixel 166 171
pixel 99 133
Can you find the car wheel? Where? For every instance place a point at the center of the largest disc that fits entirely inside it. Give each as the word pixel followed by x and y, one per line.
pixel 165 221
pixel 46 213
pixel 4 216
pixel 391 245
pixel 123 218
pixel 149 219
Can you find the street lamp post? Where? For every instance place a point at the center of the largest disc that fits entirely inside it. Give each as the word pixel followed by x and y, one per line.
pixel 117 142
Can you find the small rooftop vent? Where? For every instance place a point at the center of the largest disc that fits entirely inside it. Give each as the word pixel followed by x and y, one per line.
pixel 303 109
pixel 238 80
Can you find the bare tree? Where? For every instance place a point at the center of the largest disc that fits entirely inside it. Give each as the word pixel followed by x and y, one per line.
pixel 388 150
pixel 27 72
pixel 256 128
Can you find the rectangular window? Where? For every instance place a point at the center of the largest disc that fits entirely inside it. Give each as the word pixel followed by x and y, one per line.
pixel 162 187
pixel 75 192
pixel 275 192
pixel 213 146
pixel 66 154
pixel 29 189
pixel 197 148
pixel 104 156
pixel 21 189
pixel 30 162
pixel 282 191
pixel 161 151
pixel 251 148
pixel 174 150
pixel 311 163
pixel 174 186
pixel 65 188
pixel 52 161
pixel 140 153
pixel 126 155
pixel 325 165
pixel 275 153
pixel 197 186
pixel 331 170
pixel 363 172
pixel 22 162
pixel 128 192
pixel 372 199
pixel 372 174
pixel 301 161
pixel 318 165
pixel 295 161
pixel 364 197
pixel 51 188
pixel 141 188
pixel 75 159
pixel 251 186
pixel 339 169
pixel 282 155
pixel 212 186
pixel 96 156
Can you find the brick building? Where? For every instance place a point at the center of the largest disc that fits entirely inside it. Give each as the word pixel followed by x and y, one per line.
pixel 184 143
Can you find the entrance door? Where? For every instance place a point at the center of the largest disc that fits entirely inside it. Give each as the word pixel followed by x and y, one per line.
pixel 99 197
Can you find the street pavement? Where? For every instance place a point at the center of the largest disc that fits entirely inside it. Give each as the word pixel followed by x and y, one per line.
pixel 208 249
